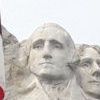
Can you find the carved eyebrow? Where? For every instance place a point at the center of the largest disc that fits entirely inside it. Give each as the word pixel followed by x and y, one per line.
pixel 86 60
pixel 56 42
pixel 39 41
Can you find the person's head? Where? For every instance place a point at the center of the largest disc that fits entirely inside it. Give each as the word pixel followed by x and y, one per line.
pixel 88 71
pixel 51 50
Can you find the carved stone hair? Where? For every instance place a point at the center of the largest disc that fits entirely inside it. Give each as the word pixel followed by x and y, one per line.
pixel 82 48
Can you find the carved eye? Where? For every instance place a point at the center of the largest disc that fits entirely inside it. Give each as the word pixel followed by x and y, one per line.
pixel 85 65
pixel 38 46
pixel 57 46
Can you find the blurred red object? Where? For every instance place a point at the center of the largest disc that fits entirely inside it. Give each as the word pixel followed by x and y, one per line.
pixel 1 93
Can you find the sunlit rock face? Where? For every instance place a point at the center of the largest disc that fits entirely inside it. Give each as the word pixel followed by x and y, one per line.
pixel 8 38
pixel 88 71
pixel 45 58
pixel 49 66
pixel 10 49
pixel 2 71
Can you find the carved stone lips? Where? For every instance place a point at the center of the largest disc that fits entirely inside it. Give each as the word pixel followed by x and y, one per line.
pixel 45 63
pixel 95 82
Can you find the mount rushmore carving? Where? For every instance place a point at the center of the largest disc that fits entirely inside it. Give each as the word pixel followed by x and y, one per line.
pixel 49 66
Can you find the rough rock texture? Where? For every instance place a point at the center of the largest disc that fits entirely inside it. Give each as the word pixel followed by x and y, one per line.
pixel 8 38
pixel 10 45
pixel 43 83
pixel 23 84
pixel 2 69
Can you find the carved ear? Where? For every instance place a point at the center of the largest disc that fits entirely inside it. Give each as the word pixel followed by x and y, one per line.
pixel 24 51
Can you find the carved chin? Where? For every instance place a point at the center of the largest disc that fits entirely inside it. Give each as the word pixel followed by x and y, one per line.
pixel 50 75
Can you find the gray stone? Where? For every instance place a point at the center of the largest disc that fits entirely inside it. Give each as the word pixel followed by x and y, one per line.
pixel 88 72
pixel 49 66
pixel 10 47
pixel 45 59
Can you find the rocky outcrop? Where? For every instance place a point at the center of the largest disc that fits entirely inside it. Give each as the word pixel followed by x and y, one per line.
pixel 10 46
pixel 8 38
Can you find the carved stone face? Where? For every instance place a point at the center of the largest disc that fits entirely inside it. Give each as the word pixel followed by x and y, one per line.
pixel 49 54
pixel 88 73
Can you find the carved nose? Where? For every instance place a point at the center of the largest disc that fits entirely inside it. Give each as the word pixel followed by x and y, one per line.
pixel 96 74
pixel 47 51
pixel 96 70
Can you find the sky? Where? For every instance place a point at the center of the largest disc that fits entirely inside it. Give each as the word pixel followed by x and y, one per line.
pixel 81 18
